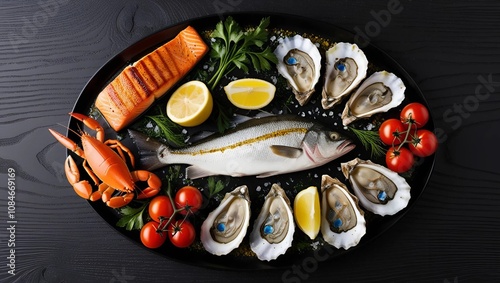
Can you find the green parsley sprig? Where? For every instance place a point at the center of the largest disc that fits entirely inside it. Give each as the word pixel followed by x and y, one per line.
pixel 132 218
pixel 214 187
pixel 235 48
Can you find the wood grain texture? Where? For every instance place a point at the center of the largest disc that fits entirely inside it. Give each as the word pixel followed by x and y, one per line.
pixel 451 235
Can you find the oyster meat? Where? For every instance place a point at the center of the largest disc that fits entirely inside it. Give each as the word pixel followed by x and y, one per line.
pixel 226 226
pixel 378 93
pixel 379 189
pixel 342 221
pixel 299 62
pixel 273 229
pixel 346 67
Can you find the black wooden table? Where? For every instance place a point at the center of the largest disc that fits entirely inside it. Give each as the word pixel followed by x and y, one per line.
pixel 49 49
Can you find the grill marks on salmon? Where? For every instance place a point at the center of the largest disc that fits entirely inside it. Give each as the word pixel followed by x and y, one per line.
pixel 138 85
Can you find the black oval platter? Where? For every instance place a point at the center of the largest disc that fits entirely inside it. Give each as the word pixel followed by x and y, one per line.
pixel 379 60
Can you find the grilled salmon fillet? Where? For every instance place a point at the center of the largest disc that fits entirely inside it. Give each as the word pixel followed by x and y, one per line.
pixel 138 85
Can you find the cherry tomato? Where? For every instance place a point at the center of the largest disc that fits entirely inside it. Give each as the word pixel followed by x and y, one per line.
pixel 181 233
pixel 150 237
pixel 423 143
pixel 399 160
pixel 189 199
pixel 392 132
pixel 160 206
pixel 415 114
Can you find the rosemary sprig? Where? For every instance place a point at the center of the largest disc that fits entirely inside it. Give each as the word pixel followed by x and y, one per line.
pixel 371 141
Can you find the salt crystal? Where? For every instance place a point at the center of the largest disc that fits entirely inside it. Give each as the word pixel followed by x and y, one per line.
pixel 274 79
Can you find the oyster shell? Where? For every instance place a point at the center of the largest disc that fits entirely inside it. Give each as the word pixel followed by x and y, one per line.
pixel 378 93
pixel 273 229
pixel 379 189
pixel 299 62
pixel 346 67
pixel 342 221
pixel 226 226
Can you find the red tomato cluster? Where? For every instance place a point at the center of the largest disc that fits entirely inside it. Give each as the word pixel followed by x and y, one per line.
pixel 407 130
pixel 163 211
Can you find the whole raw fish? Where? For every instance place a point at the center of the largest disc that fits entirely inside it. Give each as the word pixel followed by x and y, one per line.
pixel 263 147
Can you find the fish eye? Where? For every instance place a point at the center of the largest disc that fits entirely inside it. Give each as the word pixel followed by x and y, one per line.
pixel 334 136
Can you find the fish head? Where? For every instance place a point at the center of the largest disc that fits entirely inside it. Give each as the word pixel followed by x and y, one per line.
pixel 322 145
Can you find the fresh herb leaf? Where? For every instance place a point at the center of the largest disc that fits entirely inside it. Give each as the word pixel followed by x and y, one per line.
pixel 173 174
pixel 371 141
pixel 132 218
pixel 223 117
pixel 235 48
pixel 214 187
pixel 171 131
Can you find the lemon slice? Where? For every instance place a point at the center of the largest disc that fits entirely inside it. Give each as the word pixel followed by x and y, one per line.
pixel 190 105
pixel 307 212
pixel 250 93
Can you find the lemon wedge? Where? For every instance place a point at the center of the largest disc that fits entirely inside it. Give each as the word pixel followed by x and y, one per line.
pixel 307 211
pixel 250 93
pixel 190 105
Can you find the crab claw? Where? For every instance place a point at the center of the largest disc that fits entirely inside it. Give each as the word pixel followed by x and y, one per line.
pixel 71 170
pixel 91 123
pixel 66 142
pixel 119 201
pixel 82 188
pixel 106 194
pixel 154 183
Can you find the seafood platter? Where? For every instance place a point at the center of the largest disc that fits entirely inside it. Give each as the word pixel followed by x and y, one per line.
pixel 249 141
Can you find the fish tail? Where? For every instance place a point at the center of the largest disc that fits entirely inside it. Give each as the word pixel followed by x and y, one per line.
pixel 149 150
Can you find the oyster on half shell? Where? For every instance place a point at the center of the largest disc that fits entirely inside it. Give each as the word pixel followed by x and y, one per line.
pixel 379 189
pixel 342 221
pixel 346 67
pixel 299 62
pixel 273 229
pixel 226 226
pixel 378 93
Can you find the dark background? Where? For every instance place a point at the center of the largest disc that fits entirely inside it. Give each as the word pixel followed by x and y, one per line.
pixel 449 47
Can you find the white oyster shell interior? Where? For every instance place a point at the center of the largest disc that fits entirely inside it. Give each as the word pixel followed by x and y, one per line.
pixel 379 189
pixel 226 226
pixel 378 93
pixel 342 221
pixel 299 62
pixel 273 229
pixel 346 67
